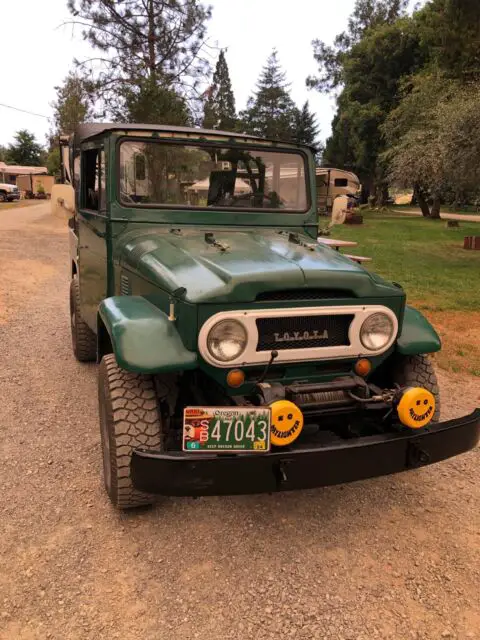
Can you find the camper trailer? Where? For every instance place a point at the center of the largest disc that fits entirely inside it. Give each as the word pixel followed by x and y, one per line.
pixel 332 183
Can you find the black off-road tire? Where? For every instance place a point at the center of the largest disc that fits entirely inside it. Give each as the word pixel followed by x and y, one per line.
pixel 84 341
pixel 129 418
pixel 3 197
pixel 418 371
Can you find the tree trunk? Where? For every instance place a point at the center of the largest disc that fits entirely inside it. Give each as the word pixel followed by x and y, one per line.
pixel 368 189
pixel 435 212
pixel 365 194
pixel 422 202
pixel 152 62
pixel 382 195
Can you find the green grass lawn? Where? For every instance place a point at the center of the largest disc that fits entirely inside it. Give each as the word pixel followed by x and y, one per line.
pixel 440 277
pixel 425 257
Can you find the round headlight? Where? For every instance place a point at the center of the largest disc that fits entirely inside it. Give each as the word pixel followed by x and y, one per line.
pixel 376 331
pixel 227 340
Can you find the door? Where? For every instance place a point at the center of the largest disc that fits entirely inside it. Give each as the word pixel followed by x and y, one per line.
pixel 92 233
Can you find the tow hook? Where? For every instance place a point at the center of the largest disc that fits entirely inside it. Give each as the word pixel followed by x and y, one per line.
pixel 416 457
pixel 280 471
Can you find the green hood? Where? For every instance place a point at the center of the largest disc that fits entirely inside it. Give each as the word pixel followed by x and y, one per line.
pixel 251 262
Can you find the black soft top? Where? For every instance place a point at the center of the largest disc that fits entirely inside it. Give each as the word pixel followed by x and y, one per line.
pixel 93 129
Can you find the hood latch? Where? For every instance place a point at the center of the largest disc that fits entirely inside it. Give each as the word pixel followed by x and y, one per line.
pixel 210 239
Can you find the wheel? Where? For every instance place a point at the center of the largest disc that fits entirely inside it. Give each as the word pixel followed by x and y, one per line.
pixel 3 197
pixel 84 341
pixel 129 418
pixel 418 371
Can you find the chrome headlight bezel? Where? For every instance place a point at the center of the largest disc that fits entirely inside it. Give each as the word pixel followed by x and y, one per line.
pixel 368 329
pixel 229 327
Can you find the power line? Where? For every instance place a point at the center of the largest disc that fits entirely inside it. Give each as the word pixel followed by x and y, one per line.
pixel 9 106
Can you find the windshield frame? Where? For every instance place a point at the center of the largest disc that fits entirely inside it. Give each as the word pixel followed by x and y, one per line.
pixel 231 144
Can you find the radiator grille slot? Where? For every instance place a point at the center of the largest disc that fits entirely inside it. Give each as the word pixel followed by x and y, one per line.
pixel 302 294
pixel 305 332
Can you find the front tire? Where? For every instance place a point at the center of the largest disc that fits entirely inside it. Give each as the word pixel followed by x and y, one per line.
pixel 84 341
pixel 129 418
pixel 418 371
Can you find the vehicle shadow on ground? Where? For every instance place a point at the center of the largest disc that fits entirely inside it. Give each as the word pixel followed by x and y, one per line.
pixel 358 503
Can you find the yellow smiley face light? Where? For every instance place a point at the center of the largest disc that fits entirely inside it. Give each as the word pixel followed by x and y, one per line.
pixel 286 423
pixel 416 407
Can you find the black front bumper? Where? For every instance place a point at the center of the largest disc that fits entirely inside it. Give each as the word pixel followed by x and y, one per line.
pixel 185 474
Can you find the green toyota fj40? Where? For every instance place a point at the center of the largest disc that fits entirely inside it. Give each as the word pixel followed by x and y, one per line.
pixel 237 354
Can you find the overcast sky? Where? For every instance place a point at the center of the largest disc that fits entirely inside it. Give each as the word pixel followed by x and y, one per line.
pixel 37 52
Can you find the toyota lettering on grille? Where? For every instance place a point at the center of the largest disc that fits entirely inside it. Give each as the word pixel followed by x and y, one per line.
pixel 301 336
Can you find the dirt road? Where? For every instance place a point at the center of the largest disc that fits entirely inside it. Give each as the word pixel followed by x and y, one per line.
pixel 395 557
pixel 466 217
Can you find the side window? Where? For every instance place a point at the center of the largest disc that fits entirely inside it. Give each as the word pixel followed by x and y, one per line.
pixel 341 182
pixel 93 184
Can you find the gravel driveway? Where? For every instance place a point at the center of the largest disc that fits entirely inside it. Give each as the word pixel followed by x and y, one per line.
pixel 395 557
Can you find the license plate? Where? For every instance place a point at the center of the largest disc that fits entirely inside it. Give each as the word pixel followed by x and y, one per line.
pixel 217 429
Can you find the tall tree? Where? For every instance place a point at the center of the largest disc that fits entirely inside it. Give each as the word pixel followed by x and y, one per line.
pixel 450 30
pixel 371 71
pixel 25 150
pixel 271 112
pixel 73 104
pixel 433 134
pixel 306 127
pixel 152 103
pixel 367 15
pixel 219 108
pixel 143 45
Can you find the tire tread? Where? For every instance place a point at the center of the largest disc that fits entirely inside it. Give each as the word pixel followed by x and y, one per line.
pixel 133 420
pixel 83 339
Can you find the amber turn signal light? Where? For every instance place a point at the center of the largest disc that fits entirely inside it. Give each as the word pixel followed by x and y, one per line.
pixel 235 378
pixel 363 367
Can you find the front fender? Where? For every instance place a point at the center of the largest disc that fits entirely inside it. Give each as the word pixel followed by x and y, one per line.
pixel 143 339
pixel 417 336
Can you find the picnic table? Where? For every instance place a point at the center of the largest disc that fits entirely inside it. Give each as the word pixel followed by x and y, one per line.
pixel 337 244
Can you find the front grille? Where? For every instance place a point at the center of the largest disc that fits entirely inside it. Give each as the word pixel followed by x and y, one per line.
pixel 302 294
pixel 305 332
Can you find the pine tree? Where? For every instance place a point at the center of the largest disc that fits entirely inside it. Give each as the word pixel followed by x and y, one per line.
pixel 145 47
pixel 306 126
pixel 271 112
pixel 73 104
pixel 219 108
pixel 152 104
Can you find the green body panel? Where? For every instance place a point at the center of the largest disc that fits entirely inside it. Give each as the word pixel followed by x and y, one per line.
pixel 142 337
pixel 92 263
pixel 254 261
pixel 417 335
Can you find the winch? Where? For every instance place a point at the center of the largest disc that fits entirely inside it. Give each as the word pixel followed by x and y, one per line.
pixel 291 405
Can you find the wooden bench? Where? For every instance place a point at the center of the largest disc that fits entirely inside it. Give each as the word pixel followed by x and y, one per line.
pixel 336 244
pixel 358 259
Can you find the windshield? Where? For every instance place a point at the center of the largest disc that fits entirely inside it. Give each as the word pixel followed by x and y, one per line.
pixel 163 174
